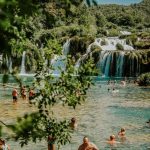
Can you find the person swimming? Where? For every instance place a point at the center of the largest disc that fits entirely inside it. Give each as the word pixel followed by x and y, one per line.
pixel 121 133
pixel 112 140
pixel 87 145
pixel 73 123
pixel 123 83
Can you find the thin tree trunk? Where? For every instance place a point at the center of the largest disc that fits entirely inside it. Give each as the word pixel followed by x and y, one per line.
pixel 51 146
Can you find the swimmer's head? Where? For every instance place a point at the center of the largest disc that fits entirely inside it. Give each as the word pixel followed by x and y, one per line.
pixel 85 140
pixel 112 137
pixel 73 119
pixel 122 129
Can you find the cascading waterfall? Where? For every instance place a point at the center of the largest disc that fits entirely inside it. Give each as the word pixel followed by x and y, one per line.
pixel 109 44
pixel 10 64
pixel 66 47
pixel 107 66
pixel 58 62
pixel 23 71
pixel 119 65
pixel 113 62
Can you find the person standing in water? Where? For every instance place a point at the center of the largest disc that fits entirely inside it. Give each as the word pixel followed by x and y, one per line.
pixel 31 95
pixel 15 95
pixel 23 93
pixel 87 145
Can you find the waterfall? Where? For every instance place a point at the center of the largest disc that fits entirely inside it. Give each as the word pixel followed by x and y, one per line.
pixel 112 62
pixel 121 62
pixel 107 66
pixel 77 65
pixel 23 71
pixel 58 62
pixel 66 47
pixel 79 61
pixel 10 64
pixel 110 43
pixel 103 59
pixel 119 65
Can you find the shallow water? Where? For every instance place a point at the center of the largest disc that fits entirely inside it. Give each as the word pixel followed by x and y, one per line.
pixel 120 2
pixel 103 114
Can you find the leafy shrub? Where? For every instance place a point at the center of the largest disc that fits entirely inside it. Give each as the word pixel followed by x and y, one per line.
pixel 142 45
pixel 95 48
pixel 144 79
pixel 119 46
pixel 102 32
pixel 113 32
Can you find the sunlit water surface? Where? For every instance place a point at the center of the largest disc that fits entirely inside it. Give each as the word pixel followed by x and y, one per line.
pixel 119 2
pixel 103 114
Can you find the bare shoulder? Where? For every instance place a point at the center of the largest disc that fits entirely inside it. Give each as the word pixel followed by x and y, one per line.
pixel 80 147
pixel 93 146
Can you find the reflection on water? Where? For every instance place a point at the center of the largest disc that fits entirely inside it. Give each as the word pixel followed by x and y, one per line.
pixel 103 114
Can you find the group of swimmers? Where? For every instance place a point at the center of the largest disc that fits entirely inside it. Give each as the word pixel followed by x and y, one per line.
pixel 23 93
pixel 87 145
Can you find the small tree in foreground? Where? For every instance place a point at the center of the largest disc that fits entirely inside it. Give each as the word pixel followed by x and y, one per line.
pixel 69 89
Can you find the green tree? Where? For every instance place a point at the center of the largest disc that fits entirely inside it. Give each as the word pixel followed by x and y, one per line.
pixel 20 21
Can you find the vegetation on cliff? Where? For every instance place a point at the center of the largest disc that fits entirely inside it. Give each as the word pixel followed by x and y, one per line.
pixel 144 79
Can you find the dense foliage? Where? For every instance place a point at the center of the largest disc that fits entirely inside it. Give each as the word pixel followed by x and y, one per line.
pixel 29 26
pixel 144 79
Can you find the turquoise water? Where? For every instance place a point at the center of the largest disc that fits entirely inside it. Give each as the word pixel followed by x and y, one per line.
pixel 103 114
pixel 120 2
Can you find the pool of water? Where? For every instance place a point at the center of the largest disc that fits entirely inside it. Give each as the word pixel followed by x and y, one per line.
pixel 103 113
pixel 119 2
